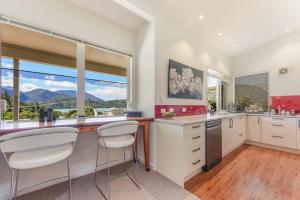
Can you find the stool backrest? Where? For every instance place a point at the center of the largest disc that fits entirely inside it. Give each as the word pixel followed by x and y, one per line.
pixel 118 128
pixel 37 138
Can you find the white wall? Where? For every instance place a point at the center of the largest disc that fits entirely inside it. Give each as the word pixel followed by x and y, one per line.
pixel 69 19
pixel 174 41
pixel 284 52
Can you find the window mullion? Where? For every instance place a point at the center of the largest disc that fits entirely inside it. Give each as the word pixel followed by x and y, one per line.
pixel 80 64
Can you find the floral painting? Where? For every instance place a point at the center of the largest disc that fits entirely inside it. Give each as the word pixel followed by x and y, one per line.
pixel 185 82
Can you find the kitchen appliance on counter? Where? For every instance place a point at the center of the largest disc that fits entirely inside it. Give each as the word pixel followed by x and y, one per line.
pixel 213 144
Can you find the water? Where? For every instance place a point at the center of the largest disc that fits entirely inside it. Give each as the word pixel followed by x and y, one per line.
pixel 65 110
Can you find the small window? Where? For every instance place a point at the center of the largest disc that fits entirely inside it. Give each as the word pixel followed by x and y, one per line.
pixel 252 90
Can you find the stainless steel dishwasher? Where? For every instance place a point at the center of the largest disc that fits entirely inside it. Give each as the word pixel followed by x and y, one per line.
pixel 213 144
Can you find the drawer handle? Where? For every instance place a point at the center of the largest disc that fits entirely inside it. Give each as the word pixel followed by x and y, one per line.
pixel 277 118
pixel 194 138
pixel 195 163
pixel 195 150
pixel 277 136
pixel 277 125
pixel 196 126
pixel 241 134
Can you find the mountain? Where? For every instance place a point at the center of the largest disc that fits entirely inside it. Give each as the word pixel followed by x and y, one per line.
pixel 72 93
pixel 9 90
pixel 47 96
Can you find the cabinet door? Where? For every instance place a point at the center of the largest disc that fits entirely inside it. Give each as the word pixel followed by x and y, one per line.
pixel 240 129
pixel 227 136
pixel 254 128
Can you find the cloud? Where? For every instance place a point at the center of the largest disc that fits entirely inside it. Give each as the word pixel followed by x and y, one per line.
pixel 6 65
pixel 65 84
pixel 26 87
pixel 109 93
pixel 50 77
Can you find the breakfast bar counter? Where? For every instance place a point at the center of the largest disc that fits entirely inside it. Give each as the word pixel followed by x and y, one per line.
pixel 85 125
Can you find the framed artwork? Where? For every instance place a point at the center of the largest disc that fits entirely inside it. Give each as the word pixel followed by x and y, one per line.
pixel 184 82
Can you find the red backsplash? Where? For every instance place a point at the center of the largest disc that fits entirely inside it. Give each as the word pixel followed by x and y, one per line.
pixel 190 110
pixel 289 102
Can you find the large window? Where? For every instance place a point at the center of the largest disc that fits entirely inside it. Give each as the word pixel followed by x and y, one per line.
pixel 39 72
pixel 253 90
pixel 7 86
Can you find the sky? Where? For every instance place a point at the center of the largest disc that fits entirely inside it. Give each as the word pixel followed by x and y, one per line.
pixel 104 86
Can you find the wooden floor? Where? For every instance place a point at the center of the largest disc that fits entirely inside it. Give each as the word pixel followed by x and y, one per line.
pixel 250 173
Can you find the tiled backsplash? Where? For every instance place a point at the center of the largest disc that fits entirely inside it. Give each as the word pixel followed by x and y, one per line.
pixel 288 102
pixel 180 110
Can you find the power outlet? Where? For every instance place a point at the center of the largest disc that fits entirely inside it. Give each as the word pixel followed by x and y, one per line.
pixel 171 109
pixel 183 110
pixel 163 110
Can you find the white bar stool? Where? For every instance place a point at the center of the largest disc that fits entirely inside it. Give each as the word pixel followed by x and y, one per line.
pixel 116 135
pixel 37 148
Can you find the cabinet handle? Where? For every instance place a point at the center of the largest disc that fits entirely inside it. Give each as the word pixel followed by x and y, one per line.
pixel 196 126
pixel 241 134
pixel 277 125
pixel 258 120
pixel 194 163
pixel 277 136
pixel 195 150
pixel 194 138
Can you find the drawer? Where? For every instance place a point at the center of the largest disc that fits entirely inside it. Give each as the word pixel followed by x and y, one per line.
pixel 192 166
pixel 194 129
pixel 279 140
pixel 194 140
pixel 194 153
pixel 280 120
pixel 279 128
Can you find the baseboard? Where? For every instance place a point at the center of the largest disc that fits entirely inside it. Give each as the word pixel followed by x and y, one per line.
pixel 273 147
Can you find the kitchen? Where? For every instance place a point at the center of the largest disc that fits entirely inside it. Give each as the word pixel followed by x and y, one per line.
pixel 206 92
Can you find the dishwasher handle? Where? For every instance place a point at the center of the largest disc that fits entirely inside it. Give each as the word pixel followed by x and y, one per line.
pixel 214 127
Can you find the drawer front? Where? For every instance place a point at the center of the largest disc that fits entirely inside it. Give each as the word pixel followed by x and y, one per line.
pixel 279 140
pixel 279 128
pixel 194 129
pixel 194 153
pixel 194 140
pixel 193 165
pixel 280 120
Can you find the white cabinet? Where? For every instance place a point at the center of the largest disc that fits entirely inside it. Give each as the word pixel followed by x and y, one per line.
pixel 254 128
pixel 180 150
pixel 233 133
pixel 279 131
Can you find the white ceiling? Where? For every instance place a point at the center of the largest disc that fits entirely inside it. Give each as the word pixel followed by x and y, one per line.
pixel 111 11
pixel 246 23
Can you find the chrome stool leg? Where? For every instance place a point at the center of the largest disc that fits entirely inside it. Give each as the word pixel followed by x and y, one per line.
pixel 108 173
pixel 137 167
pixel 16 184
pixel 12 177
pixel 70 180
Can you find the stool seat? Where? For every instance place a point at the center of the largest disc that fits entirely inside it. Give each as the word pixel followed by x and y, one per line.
pixel 41 157
pixel 117 141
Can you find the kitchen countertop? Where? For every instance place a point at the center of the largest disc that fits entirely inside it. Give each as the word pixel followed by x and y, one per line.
pixel 186 120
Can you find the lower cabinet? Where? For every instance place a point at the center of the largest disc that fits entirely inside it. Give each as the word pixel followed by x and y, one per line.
pixel 233 133
pixel 180 150
pixel 279 131
pixel 254 128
